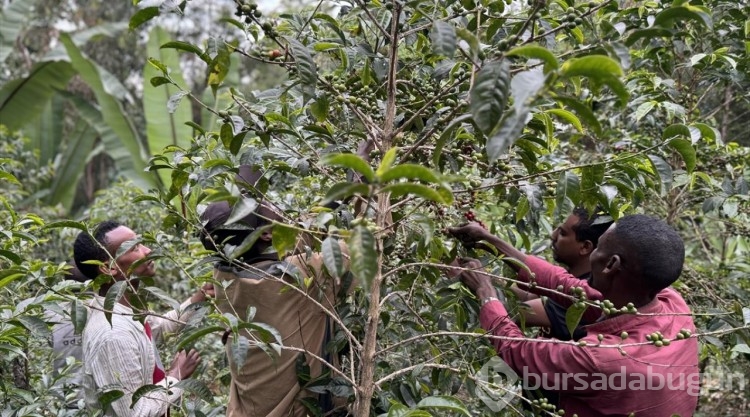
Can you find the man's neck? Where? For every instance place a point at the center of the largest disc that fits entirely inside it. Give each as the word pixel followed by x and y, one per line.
pixel 580 269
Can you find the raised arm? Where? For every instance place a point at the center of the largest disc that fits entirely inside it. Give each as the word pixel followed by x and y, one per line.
pixel 473 235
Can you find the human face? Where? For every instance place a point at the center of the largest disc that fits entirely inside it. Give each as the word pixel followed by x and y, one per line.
pixel 123 244
pixel 599 259
pixel 566 249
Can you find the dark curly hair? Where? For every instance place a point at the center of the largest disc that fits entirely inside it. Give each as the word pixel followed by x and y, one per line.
pixel 655 249
pixel 92 247
pixel 590 227
pixel 216 215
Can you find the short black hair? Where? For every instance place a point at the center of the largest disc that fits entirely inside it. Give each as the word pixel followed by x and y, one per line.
pixel 216 215
pixel 93 247
pixel 590 227
pixel 655 248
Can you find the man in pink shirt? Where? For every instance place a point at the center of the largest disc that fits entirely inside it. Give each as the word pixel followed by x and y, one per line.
pixel 638 359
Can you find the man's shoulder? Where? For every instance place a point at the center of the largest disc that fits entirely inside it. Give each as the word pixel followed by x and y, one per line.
pixel 672 300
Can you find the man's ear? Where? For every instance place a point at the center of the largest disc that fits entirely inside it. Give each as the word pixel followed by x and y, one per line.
pixel 586 248
pixel 108 268
pixel 614 263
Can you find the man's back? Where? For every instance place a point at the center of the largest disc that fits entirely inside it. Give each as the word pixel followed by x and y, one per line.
pixel 645 379
pixel 266 386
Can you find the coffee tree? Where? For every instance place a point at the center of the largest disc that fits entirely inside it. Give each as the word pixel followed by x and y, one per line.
pixel 509 113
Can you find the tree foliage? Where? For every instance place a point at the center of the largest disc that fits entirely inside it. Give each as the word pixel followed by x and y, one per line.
pixel 514 111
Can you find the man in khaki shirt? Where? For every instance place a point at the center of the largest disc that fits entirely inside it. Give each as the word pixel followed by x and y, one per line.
pixel 283 296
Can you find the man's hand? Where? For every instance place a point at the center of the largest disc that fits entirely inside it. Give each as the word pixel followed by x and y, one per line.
pixel 206 291
pixel 184 364
pixel 476 279
pixel 453 273
pixel 469 233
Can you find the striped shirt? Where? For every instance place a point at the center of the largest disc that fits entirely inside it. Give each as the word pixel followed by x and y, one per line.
pixel 121 357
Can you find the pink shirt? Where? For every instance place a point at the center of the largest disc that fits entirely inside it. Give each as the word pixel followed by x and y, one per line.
pixel 645 380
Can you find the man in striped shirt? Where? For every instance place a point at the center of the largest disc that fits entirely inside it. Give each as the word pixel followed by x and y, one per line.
pixel 119 353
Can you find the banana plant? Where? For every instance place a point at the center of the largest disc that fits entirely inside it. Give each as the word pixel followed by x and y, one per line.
pixel 35 105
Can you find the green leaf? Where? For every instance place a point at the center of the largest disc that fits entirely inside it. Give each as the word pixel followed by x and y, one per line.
pixel 7 176
pixel 35 325
pixel 108 397
pixel 187 338
pixel 536 52
pixel 470 39
pixel 643 109
pixel 326 46
pixel 489 95
pixel 112 112
pixel 268 334
pixel 446 136
pixel 159 81
pixel 174 102
pixel 284 238
pixel 525 87
pixel 78 316
pixel 23 99
pixel 700 14
pixel 591 178
pixel 248 242
pixel 165 128
pixel 444 403
pixel 187 47
pixel 144 390
pixel 243 208
pixel 510 129
pixel 686 150
pixel 648 34
pixel 11 255
pixel 568 187
pixel 113 296
pixel 583 111
pixel 333 259
pixel 196 387
pixel 71 166
pixel 351 161
pixel 142 16
pixel 676 130
pixel 400 189
pixel 238 348
pixel 410 171
pixel 600 69
pixel 45 133
pixel 662 168
pixel 163 296
pixel 573 316
pixel 344 190
pixel 388 159
pixel 363 255
pixel 568 117
pixel 306 69
pixel 399 410
pixel 219 68
pixel 708 132
pixel 9 275
pixel 320 108
pixel 226 133
pixel 443 38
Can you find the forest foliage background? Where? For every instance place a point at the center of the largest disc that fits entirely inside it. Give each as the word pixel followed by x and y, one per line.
pixel 516 111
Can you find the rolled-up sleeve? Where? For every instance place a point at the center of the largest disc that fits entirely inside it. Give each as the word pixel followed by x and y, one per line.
pixel 548 276
pixel 531 357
